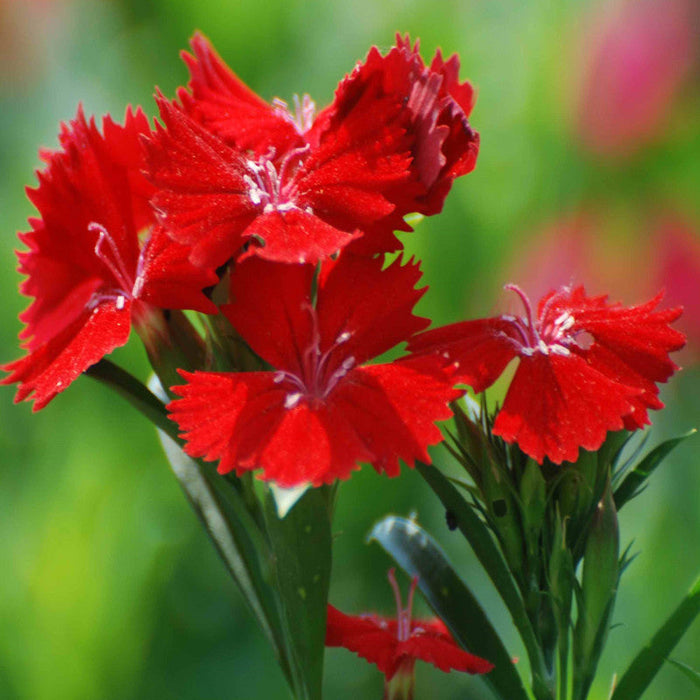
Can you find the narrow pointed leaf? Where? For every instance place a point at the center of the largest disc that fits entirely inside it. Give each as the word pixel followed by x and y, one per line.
pixel 647 663
pixel 634 481
pixel 486 550
pixel 419 555
pixel 689 672
pixel 231 528
pixel 301 550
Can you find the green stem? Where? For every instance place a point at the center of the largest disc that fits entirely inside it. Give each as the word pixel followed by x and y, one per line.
pixel 138 395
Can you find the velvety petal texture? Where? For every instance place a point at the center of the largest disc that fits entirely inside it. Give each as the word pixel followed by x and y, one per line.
pixel 320 411
pixel 586 366
pixel 86 266
pixel 236 176
pixel 376 639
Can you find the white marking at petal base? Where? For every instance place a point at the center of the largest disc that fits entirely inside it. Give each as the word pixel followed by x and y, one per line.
pixel 559 350
pixel 291 400
pixel 120 302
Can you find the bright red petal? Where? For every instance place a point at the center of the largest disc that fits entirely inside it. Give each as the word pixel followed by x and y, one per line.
pixel 95 179
pixel 393 409
pixel 366 310
pixel 557 404
pixel 203 199
pixel 295 236
pixel 478 351
pixel 371 637
pixel 229 109
pixel 440 650
pixel 271 309
pixel 245 421
pixel 52 367
pixel 168 279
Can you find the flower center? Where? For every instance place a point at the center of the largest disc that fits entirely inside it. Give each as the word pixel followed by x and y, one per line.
pixel 123 285
pixel 273 189
pixel 317 375
pixel 542 334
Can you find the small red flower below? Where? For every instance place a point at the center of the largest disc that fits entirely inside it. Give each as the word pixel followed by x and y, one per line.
pixel 395 645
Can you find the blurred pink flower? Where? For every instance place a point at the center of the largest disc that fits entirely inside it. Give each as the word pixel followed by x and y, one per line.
pixel 637 55
pixel 677 253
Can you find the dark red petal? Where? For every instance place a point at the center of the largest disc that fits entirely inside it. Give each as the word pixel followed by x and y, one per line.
pixel 51 368
pixel 368 636
pixel 369 306
pixel 478 351
pixel 393 409
pixel 441 651
pixel 169 280
pixel 270 307
pixel 295 236
pixel 202 198
pixel 229 109
pixel 557 404
pixel 242 420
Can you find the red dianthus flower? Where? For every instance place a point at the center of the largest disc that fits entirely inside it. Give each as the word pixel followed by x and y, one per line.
pixel 231 169
pixel 586 367
pixel 395 645
pixel 97 260
pixel 320 409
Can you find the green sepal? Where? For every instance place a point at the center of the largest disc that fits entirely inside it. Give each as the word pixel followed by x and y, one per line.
pixel 649 660
pixel 635 480
pixel 417 553
pixel 601 574
pixel 301 558
pixel 486 550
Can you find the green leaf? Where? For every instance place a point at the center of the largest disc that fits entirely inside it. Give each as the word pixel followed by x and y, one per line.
pixel 419 555
pixel 687 671
pixel 633 483
pixel 650 659
pixel 301 548
pixel 233 531
pixel 480 540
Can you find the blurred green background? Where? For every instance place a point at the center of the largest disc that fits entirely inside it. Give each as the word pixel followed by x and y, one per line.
pixel 589 171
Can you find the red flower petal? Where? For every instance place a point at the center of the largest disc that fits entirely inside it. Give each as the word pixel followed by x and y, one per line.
pixel 95 179
pixel 169 279
pixel 393 409
pixel 375 639
pixel 368 306
pixel 50 368
pixel 557 404
pixel 271 309
pixel 369 636
pixel 243 420
pixel 230 109
pixel 441 651
pixel 203 199
pixel 478 351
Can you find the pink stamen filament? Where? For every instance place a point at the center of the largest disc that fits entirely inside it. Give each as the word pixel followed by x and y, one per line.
pixel 270 188
pixel 314 382
pixel 403 615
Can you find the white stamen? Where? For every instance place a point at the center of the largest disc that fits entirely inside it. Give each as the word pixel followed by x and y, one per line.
pixel 120 302
pixel 343 337
pixel 542 347
pixel 292 400
pixel 559 350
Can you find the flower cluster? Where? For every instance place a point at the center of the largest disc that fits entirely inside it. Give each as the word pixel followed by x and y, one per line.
pixel 278 222
pixel 283 216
